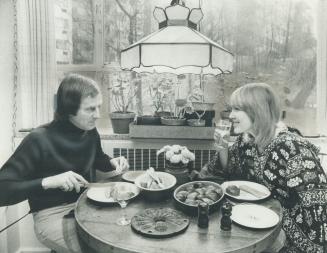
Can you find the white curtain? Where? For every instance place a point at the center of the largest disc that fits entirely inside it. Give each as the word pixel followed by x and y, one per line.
pixel 36 61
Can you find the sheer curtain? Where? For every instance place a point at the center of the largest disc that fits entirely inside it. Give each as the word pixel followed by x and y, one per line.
pixel 36 61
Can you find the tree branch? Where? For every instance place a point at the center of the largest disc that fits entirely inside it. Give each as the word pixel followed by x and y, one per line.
pixel 123 9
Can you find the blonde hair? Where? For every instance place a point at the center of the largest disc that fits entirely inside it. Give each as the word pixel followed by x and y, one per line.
pixel 261 104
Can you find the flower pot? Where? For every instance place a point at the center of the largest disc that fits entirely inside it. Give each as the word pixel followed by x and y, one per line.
pixel 162 114
pixel 173 121
pixel 120 121
pixel 196 122
pixel 180 171
pixel 208 117
pixel 148 120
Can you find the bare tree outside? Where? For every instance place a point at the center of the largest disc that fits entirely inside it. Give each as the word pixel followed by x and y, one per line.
pixel 272 41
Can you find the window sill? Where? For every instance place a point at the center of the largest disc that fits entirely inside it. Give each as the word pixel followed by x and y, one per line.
pixel 105 134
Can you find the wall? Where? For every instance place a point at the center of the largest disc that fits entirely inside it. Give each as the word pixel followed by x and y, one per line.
pixel 19 237
pixel 6 86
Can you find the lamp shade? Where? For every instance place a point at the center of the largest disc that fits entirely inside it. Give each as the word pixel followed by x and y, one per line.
pixel 177 48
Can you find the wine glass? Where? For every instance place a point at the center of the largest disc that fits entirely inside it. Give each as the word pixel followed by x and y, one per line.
pixel 222 131
pixel 121 198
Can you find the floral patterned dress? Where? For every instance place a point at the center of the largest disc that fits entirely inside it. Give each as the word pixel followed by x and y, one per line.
pixel 290 168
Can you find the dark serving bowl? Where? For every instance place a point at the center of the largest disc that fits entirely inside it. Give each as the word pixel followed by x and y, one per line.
pixel 188 196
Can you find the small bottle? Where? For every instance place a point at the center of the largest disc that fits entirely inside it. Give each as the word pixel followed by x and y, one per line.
pixel 203 215
pixel 226 222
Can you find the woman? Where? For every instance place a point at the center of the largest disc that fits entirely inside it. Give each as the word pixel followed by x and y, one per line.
pixel 268 153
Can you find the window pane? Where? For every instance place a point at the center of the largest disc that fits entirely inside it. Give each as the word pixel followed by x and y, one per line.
pixel 273 42
pixel 123 25
pixel 74 31
pixel 103 124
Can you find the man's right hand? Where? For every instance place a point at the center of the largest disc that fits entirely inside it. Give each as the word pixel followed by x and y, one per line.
pixel 67 181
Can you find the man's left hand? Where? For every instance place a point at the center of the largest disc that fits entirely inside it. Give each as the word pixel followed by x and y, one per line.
pixel 120 164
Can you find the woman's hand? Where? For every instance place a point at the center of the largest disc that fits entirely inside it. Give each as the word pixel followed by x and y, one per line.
pixel 120 164
pixel 222 133
pixel 221 141
pixel 67 181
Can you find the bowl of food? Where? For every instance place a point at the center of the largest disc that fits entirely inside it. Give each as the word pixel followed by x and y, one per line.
pixel 188 196
pixel 156 186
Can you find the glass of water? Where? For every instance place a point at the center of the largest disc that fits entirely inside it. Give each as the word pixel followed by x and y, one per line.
pixel 122 199
pixel 222 131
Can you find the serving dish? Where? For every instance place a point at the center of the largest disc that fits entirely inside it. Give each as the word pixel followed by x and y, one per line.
pixel 156 193
pixel 130 176
pixel 159 222
pixel 187 196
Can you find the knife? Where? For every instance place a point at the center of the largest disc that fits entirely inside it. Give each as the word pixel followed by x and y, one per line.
pixel 89 185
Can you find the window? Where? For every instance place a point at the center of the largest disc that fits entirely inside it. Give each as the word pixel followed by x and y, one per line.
pixel 273 42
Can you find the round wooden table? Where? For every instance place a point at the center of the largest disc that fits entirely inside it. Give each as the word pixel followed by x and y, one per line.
pixel 97 228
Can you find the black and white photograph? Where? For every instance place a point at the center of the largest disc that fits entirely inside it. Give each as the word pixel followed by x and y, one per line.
pixel 163 126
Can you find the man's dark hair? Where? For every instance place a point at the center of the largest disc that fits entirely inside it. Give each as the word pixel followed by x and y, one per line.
pixel 72 89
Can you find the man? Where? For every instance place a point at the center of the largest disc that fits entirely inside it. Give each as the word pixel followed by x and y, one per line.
pixel 55 162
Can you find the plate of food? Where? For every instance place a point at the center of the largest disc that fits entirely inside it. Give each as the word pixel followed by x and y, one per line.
pixel 104 194
pixel 130 176
pixel 245 190
pixel 254 216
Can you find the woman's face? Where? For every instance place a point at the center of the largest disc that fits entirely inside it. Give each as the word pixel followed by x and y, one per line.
pixel 241 121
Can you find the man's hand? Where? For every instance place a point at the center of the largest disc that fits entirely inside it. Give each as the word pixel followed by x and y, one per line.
pixel 67 181
pixel 120 164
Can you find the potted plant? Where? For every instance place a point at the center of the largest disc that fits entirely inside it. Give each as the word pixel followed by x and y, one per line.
pixel 177 112
pixel 196 122
pixel 159 90
pixel 123 92
pixel 202 113
pixel 177 161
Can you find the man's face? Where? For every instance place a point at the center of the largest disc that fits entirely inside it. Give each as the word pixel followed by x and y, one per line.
pixel 88 113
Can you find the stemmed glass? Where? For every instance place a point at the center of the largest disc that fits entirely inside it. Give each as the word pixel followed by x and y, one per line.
pixel 122 199
pixel 222 131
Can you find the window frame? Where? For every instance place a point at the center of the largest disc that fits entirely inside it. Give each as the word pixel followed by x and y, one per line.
pixel 99 66
pixel 321 82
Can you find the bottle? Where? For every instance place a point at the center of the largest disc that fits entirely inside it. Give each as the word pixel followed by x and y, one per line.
pixel 203 215
pixel 226 222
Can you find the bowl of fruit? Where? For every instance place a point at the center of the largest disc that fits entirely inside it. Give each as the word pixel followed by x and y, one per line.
pixel 188 196
pixel 155 185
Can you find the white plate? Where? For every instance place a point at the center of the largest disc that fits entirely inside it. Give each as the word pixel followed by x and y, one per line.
pixel 254 216
pixel 130 176
pixel 246 196
pixel 98 193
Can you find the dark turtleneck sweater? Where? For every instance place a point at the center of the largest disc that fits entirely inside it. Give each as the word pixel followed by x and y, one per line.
pixel 47 151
